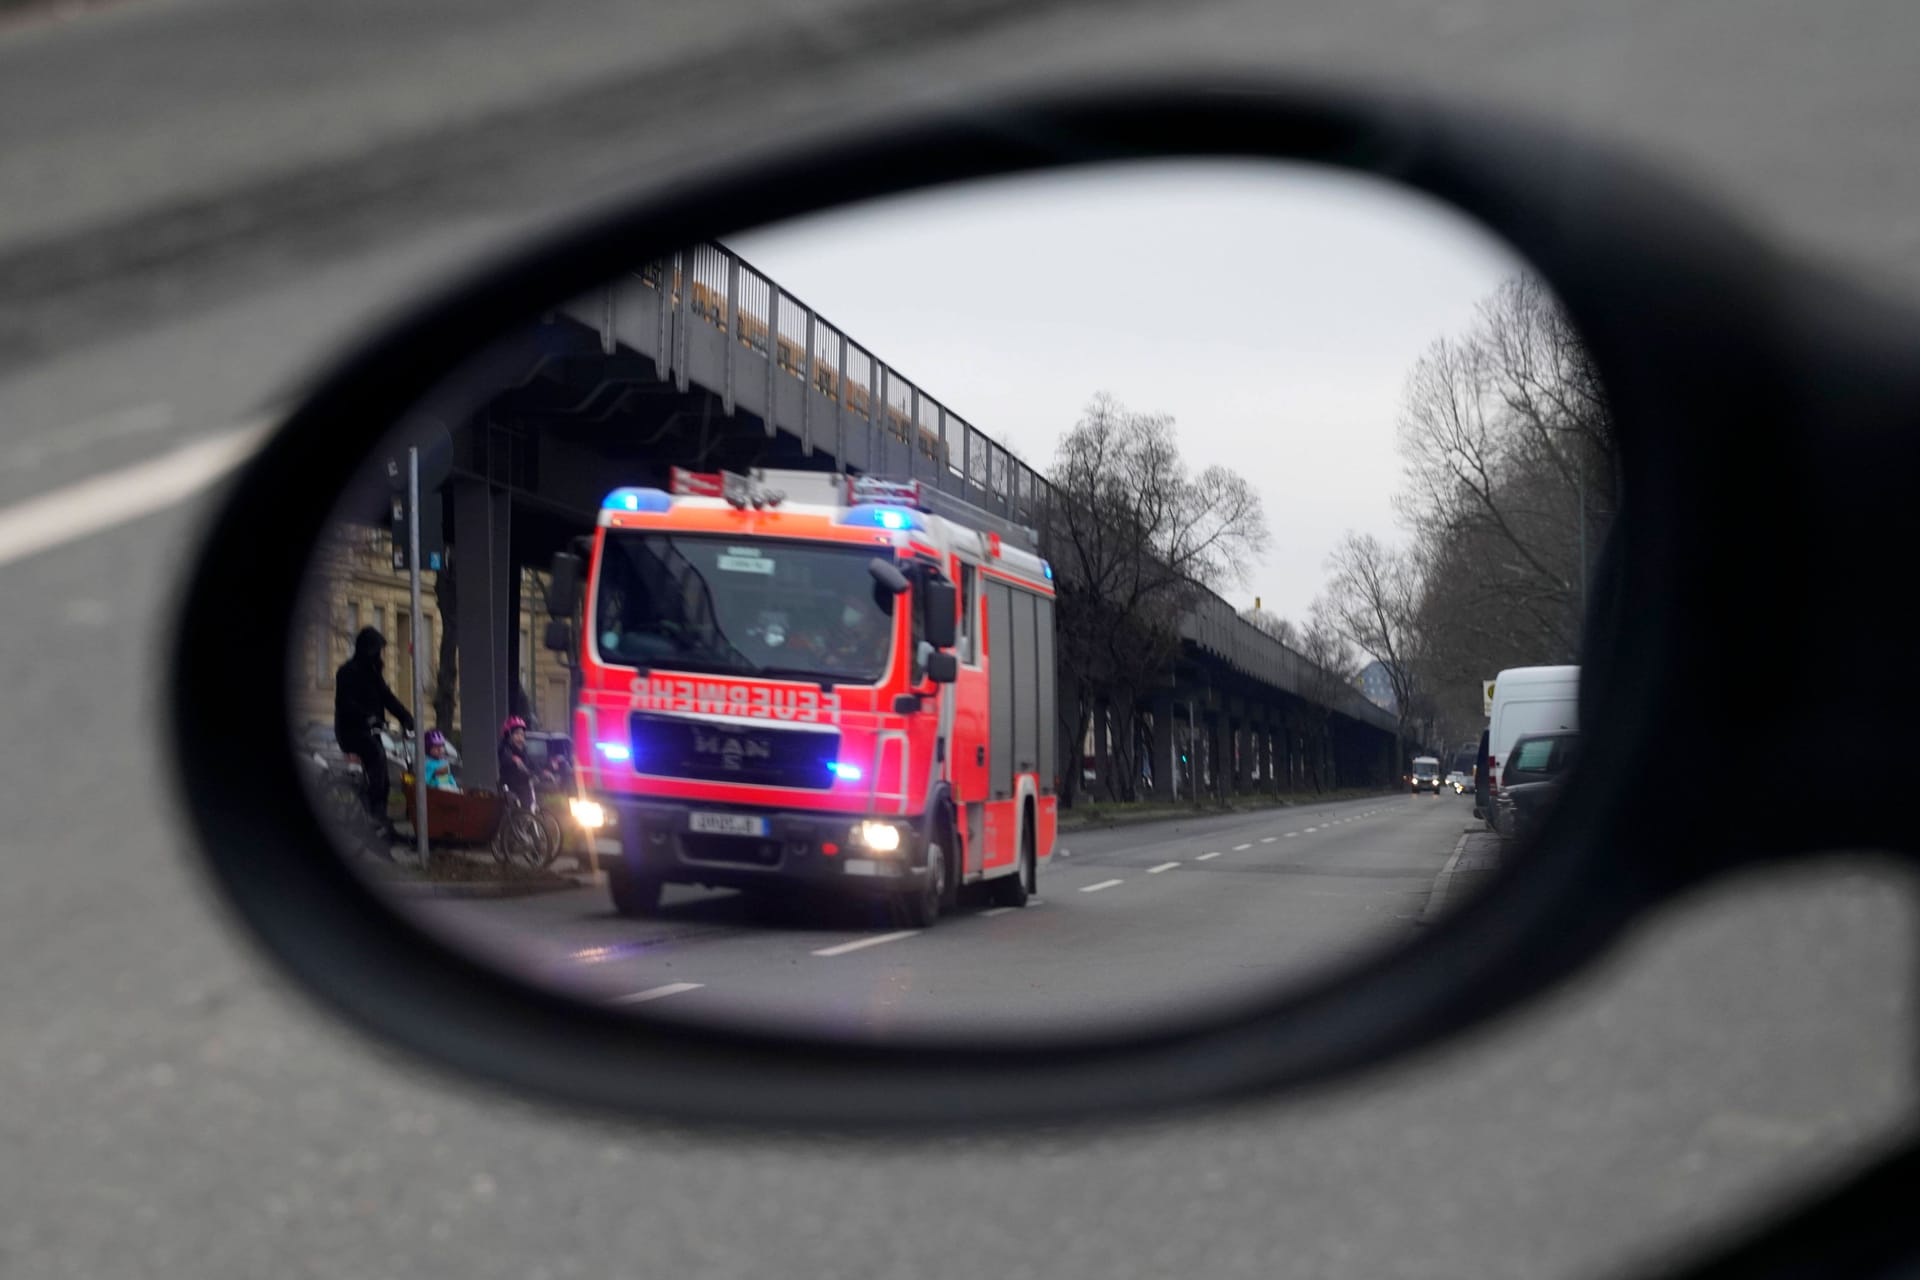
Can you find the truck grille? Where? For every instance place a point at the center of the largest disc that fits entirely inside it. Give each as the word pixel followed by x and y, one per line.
pixel 712 752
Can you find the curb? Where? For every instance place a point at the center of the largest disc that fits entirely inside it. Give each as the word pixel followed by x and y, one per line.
pixel 1442 884
pixel 1124 819
pixel 481 888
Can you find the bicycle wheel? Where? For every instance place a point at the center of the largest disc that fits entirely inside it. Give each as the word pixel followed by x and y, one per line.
pixel 519 841
pixel 552 837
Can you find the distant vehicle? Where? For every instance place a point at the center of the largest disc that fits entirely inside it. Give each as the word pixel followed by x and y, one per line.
pixel 1531 778
pixel 1425 775
pixel 1459 781
pixel 1527 700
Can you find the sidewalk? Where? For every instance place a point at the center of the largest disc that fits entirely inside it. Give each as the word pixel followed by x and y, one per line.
pixel 1089 815
pixel 1475 857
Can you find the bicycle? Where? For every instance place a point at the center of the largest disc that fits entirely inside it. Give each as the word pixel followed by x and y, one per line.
pixel 525 836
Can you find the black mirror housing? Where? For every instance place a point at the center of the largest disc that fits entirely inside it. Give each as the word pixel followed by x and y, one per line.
pixel 940 601
pixel 559 636
pixel 943 668
pixel 887 574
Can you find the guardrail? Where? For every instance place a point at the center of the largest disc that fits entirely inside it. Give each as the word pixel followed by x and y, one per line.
pixel 713 284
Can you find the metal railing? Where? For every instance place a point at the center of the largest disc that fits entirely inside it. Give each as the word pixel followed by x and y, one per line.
pixel 714 284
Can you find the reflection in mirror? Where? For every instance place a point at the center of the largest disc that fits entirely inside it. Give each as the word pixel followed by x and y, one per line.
pixel 1032 606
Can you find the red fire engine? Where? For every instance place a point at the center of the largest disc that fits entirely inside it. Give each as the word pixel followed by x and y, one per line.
pixel 800 679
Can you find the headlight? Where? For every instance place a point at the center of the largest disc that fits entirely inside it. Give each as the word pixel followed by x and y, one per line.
pixel 588 813
pixel 881 837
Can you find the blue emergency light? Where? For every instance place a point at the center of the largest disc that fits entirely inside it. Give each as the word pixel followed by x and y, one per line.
pixel 844 771
pixel 615 750
pixel 632 499
pixel 893 518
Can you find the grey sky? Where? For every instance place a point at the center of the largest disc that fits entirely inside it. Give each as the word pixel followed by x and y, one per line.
pixel 1273 310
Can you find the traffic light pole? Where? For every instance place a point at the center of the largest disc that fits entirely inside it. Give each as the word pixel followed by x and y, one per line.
pixel 414 656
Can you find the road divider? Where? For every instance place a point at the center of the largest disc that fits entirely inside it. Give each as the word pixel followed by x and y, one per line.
pixel 861 944
pixel 657 993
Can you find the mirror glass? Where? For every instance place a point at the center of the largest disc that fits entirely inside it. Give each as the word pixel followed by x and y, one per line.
pixel 1031 606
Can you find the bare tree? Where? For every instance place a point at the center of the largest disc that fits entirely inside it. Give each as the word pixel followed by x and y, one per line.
pixel 1331 668
pixel 1507 446
pixel 1372 600
pixel 1133 536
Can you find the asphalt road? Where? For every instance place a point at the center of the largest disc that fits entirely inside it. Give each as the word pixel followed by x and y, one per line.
pixel 1131 924
pixel 202 196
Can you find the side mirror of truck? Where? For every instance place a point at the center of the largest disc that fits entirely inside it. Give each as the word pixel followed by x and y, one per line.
pixel 565 581
pixel 943 668
pixel 559 637
pixel 939 602
pixel 888 575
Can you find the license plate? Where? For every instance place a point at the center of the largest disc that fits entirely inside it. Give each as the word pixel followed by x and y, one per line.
pixel 727 824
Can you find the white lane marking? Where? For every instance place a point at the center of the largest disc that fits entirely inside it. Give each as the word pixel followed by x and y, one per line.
pixel 1205 856
pixel 1104 884
pixel 1165 866
pixel 1237 848
pixel 92 505
pixel 121 424
pixel 1268 839
pixel 1292 834
pixel 860 943
pixel 656 993
pixel 995 911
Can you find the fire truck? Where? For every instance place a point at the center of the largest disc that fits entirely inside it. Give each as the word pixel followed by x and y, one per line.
pixel 795 680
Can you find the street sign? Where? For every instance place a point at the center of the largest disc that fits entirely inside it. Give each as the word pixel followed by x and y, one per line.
pixel 1486 697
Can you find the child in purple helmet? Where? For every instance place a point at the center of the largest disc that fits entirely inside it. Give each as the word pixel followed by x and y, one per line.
pixel 439 768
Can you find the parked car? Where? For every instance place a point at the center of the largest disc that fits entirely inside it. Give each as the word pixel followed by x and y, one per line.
pixel 1531 778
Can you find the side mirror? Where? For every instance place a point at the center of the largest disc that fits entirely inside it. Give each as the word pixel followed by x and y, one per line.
pixel 942 668
pixel 559 637
pixel 939 602
pixel 564 583
pixel 888 575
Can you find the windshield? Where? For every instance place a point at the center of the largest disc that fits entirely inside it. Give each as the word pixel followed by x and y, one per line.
pixel 1423 768
pixel 724 605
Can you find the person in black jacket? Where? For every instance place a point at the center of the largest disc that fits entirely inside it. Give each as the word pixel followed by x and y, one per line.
pixel 361 701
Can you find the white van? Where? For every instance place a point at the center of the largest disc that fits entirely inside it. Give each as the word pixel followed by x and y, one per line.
pixel 1529 700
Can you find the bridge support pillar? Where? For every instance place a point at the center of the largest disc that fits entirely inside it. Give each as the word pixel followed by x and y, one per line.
pixel 484 612
pixel 1166 752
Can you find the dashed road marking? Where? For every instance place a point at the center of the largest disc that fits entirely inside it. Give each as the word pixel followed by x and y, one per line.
pixel 1268 839
pixel 1237 848
pixel 996 911
pixel 657 993
pixel 859 944
pixel 1165 866
pixel 1104 884
pixel 1205 856
pixel 1292 834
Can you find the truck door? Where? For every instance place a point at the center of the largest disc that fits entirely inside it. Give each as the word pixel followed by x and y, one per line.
pixel 967 749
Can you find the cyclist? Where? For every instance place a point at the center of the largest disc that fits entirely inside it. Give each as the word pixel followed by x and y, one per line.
pixel 361 700
pixel 516 775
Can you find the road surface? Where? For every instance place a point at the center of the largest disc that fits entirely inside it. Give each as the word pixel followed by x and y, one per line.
pixel 1130 924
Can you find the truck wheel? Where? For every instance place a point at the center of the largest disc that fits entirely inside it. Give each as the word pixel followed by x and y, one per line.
pixel 921 907
pixel 633 895
pixel 1013 890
